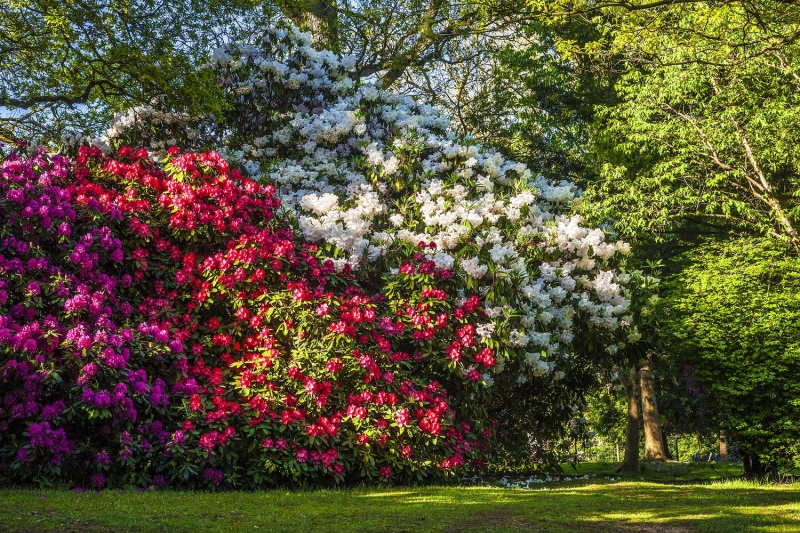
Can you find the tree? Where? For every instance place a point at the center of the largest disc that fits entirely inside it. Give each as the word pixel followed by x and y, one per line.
pixel 654 448
pixel 419 35
pixel 633 392
pixel 706 124
pixel 732 316
pixel 701 138
pixel 390 38
pixel 67 66
pixel 534 103
pixel 71 65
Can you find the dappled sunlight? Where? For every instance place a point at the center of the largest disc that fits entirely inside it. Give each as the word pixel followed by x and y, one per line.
pixel 383 494
pixel 623 506
pixel 651 517
pixel 602 508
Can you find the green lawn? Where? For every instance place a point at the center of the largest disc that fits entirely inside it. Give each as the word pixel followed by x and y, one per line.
pixel 573 507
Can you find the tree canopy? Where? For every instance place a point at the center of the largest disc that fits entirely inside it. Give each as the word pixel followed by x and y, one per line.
pixel 66 66
pixel 732 317
pixel 705 126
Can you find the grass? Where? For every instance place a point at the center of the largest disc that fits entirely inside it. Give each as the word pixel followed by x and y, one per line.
pixel 566 507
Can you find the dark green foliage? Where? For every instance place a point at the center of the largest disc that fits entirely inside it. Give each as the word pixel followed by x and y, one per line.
pixel 606 415
pixel 537 429
pixel 537 103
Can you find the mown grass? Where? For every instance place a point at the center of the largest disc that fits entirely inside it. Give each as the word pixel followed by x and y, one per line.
pixel 567 507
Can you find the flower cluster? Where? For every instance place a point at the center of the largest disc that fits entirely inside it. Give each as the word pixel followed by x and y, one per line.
pixel 158 323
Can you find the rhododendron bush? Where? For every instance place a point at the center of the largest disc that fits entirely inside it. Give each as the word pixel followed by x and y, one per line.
pixel 159 325
pixel 360 171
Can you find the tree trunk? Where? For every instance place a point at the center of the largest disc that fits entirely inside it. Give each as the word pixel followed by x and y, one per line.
pixel 632 387
pixel 616 447
pixel 653 444
pixel 319 17
pixel 753 468
pixel 723 445
pixel 665 441
pixel 697 453
pixel 768 195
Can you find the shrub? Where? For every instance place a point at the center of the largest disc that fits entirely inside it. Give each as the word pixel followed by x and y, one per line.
pixel 361 171
pixel 158 325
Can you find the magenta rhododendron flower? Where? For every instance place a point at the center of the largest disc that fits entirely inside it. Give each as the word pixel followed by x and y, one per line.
pixel 182 324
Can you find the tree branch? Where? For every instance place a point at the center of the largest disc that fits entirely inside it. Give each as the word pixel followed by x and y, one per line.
pixel 56 99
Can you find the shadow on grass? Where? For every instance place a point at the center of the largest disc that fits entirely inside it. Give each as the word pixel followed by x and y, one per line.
pixel 623 507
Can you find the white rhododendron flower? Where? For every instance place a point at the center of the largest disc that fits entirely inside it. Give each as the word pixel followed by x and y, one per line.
pixel 485 330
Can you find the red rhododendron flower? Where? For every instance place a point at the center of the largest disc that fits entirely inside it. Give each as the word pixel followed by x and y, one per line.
pixel 402 417
pixel 178 304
